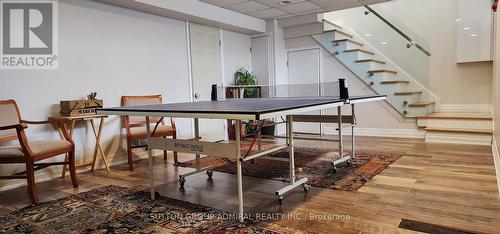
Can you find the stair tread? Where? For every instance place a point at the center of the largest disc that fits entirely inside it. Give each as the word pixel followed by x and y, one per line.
pixel 394 81
pixel 467 130
pixel 370 60
pixel 407 92
pixel 349 40
pixel 471 116
pixel 359 50
pixel 332 23
pixel 382 70
pixel 421 103
pixel 339 31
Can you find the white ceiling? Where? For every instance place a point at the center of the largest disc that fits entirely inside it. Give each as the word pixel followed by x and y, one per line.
pixel 270 9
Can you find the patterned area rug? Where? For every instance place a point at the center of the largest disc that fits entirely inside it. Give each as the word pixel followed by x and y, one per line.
pixel 114 209
pixel 313 163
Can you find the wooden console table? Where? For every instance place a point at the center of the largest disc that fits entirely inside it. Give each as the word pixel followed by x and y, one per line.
pixel 71 120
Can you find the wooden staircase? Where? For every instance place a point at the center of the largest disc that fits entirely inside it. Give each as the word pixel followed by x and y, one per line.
pixel 459 128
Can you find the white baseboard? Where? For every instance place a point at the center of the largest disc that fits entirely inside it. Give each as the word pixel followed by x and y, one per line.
pixel 453 108
pixel 55 173
pixel 496 159
pixel 380 132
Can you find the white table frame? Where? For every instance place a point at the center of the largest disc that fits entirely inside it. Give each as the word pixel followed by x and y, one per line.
pixel 226 150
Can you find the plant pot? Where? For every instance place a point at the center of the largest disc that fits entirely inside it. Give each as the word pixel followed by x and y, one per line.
pixel 268 130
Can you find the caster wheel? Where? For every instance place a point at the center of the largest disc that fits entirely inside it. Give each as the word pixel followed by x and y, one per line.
pixel 182 180
pixel 280 200
pixel 349 163
pixel 210 173
pixel 307 187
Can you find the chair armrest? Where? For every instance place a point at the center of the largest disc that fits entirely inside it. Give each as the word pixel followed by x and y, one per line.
pixel 14 126
pixel 39 122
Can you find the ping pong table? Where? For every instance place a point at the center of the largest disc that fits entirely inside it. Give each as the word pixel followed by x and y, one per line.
pixel 253 109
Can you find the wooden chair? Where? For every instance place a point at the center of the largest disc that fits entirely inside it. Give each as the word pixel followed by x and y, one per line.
pixel 136 126
pixel 30 152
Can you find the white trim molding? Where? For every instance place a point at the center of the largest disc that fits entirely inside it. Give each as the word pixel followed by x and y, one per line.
pixel 475 108
pixel 380 132
pixel 496 159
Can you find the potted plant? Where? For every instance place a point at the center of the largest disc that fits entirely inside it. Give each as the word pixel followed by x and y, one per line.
pixel 246 77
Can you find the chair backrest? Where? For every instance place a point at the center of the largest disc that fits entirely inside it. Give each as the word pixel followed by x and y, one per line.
pixel 141 101
pixel 9 115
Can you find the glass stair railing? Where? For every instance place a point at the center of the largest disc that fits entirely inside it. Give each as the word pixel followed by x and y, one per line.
pixel 384 55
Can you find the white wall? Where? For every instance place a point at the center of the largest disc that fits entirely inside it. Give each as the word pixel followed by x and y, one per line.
pixel 112 51
pixel 280 66
pixel 235 54
pixel 460 84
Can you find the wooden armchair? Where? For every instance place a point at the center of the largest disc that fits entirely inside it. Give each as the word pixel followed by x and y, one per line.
pixel 30 152
pixel 136 126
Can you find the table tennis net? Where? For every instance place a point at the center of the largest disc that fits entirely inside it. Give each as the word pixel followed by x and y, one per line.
pixel 324 89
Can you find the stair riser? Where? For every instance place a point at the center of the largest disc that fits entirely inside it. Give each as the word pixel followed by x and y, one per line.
pixel 415 111
pixel 345 45
pixel 340 36
pixel 371 66
pixel 353 56
pixel 389 88
pixel 458 138
pixel 384 76
pixel 411 98
pixel 456 123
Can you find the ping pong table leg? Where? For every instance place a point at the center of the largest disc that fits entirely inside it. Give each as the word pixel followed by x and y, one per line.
pixel 150 161
pixel 259 138
pixel 341 142
pixel 237 127
pixel 289 125
pixel 197 138
pixel 353 146
pixel 293 182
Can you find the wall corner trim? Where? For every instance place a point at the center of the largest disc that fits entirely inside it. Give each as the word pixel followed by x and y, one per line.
pixel 496 159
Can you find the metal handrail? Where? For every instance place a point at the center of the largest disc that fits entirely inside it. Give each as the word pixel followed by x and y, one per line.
pixel 408 38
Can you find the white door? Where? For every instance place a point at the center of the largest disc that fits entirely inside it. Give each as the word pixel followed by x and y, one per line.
pixel 206 70
pixel 304 77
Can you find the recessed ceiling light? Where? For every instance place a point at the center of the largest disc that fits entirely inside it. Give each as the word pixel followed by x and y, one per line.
pixel 466 28
pixel 367 34
pixel 474 35
pixel 285 3
pixel 458 19
pixel 384 43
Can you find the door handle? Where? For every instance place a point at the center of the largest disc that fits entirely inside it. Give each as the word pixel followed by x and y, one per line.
pixel 196 95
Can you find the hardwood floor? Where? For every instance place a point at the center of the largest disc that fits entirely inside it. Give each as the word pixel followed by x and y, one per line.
pixel 448 185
